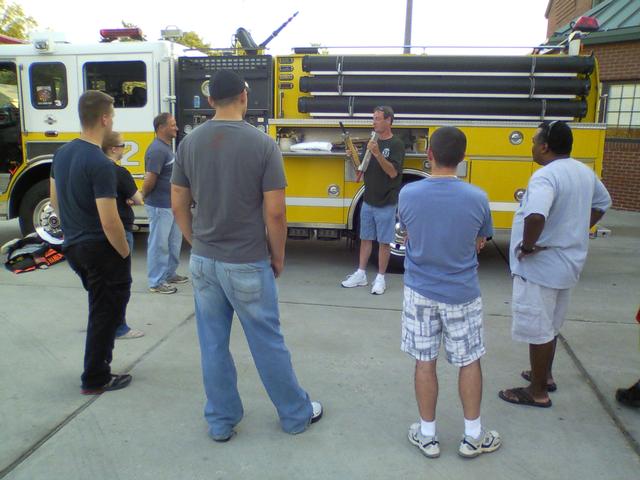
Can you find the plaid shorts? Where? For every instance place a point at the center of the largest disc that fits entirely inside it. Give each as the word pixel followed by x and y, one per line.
pixel 424 321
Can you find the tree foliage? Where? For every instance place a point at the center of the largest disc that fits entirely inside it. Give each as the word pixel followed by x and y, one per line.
pixel 14 22
pixel 193 40
pixel 130 25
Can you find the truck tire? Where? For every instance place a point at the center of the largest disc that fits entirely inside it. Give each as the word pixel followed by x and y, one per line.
pixel 32 205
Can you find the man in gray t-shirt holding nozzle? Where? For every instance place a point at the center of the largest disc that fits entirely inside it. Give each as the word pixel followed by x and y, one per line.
pixel 234 175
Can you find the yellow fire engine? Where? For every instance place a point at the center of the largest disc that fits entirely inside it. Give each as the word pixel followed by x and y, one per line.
pixel 300 100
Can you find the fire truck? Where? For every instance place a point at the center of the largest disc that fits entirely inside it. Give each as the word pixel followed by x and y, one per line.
pixel 299 99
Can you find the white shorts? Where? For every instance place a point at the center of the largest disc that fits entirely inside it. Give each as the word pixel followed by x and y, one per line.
pixel 538 312
pixel 425 322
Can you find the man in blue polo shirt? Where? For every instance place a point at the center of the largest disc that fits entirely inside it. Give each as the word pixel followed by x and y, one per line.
pixel 83 192
pixel 442 292
pixel 165 239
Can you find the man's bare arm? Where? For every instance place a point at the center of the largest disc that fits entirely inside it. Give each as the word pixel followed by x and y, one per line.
pixel 385 164
pixel 149 183
pixel 181 201
pixel 596 215
pixel 112 225
pixel 275 217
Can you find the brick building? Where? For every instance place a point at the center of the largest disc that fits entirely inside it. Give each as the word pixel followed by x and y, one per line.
pixel 616 45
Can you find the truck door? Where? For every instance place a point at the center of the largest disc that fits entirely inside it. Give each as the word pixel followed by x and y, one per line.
pixel 50 96
pixel 10 144
pixel 129 79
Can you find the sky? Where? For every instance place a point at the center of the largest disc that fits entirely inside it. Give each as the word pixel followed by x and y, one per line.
pixel 326 22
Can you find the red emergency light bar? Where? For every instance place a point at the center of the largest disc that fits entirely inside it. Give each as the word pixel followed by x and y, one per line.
pixel 8 39
pixel 111 34
pixel 586 24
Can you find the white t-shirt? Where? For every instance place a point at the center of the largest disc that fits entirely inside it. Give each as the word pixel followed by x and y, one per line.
pixel 564 192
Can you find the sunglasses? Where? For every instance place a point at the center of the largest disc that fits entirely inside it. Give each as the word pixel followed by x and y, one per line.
pixel 120 145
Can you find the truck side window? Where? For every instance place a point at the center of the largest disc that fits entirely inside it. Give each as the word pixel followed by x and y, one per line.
pixel 126 82
pixel 48 85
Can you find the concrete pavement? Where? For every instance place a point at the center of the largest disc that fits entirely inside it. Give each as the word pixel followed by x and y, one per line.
pixel 345 349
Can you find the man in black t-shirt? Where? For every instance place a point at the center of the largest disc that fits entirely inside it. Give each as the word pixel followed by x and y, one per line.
pixel 382 182
pixel 83 192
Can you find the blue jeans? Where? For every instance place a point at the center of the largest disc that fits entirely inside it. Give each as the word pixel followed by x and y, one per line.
pixel 250 290
pixel 123 328
pixel 163 245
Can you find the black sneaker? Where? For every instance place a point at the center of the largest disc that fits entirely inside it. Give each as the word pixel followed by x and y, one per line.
pixel 629 396
pixel 117 382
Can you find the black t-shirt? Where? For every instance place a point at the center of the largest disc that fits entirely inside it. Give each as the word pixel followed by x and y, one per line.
pixel 379 189
pixel 82 174
pixel 126 189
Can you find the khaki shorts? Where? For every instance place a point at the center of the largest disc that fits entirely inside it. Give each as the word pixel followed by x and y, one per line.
pixel 538 312
pixel 425 322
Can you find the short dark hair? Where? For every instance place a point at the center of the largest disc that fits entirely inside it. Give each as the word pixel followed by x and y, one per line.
pixel 448 145
pixel 387 111
pixel 92 105
pixel 223 102
pixel 557 135
pixel 161 120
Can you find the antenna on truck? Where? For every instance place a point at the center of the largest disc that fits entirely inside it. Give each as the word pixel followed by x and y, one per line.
pixel 276 32
pixel 246 42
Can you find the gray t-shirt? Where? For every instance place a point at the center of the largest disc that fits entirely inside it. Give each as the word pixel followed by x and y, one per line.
pixel 228 165
pixel 564 192
pixel 159 159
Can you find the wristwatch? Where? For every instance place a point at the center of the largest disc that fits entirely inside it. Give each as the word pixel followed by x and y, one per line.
pixel 527 250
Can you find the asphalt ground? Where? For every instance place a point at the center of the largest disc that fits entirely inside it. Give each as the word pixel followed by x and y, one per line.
pixel 345 349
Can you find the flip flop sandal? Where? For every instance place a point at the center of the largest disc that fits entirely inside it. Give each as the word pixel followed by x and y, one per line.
pixel 551 387
pixel 522 397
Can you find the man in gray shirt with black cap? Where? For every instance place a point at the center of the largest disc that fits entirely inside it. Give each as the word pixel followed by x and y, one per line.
pixel 234 174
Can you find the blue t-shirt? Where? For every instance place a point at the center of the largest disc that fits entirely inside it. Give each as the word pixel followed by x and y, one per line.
pixel 159 159
pixel 82 174
pixel 443 217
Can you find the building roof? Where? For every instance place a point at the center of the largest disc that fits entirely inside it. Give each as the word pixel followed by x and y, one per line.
pixel 619 21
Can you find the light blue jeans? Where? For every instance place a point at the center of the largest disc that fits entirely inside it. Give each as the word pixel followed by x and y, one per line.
pixel 163 245
pixel 249 289
pixel 123 328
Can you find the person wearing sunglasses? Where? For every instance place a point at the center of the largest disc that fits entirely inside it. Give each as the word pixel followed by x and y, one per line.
pixel 113 147
pixel 549 243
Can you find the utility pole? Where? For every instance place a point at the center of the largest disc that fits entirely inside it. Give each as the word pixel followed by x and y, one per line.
pixel 407 26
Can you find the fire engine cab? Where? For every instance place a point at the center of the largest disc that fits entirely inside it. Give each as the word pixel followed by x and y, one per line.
pixel 298 99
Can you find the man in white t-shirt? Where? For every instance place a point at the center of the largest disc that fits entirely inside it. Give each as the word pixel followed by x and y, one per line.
pixel 549 243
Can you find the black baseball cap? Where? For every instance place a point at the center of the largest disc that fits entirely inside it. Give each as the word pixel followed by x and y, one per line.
pixel 226 84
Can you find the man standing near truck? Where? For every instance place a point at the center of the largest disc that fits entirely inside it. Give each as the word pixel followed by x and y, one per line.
pixel 382 182
pixel 234 174
pixel 165 239
pixel 83 191
pixel 549 243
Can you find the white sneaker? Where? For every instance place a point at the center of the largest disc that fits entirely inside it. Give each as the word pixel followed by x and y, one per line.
pixel 379 286
pixel 317 411
pixel 356 279
pixel 470 447
pixel 429 446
